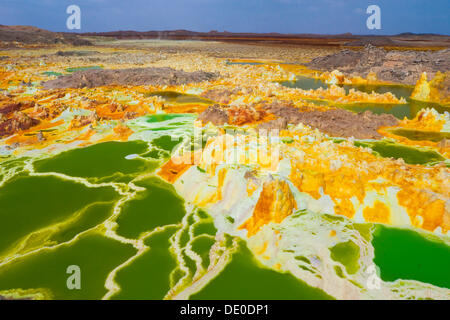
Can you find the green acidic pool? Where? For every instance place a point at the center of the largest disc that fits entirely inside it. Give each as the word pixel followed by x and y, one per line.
pixel 148 277
pixel 157 205
pixel 95 255
pixel 308 83
pixel 174 97
pixel 410 155
pixel 29 204
pixel 419 135
pixel 245 278
pixel 305 83
pixel 102 160
pixel 400 111
pixel 82 68
pixel 406 254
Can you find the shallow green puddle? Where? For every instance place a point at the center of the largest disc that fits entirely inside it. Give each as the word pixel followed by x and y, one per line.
pixel 159 117
pixel 83 68
pixel 346 253
pixel 244 63
pixel 305 83
pixel 52 73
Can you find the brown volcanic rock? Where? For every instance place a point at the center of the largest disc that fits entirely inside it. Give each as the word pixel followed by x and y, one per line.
pixel 394 66
pixel 220 95
pixel 235 115
pixel 15 106
pixel 277 124
pixel 214 114
pixel 19 121
pixel 135 77
pixel 33 35
pixel 335 122
pixel 343 123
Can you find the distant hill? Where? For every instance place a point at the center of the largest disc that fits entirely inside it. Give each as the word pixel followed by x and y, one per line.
pixel 33 35
pixel 347 39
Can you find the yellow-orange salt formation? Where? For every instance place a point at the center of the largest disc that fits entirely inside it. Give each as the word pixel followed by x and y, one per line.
pixel 122 132
pixel 217 195
pixel 427 211
pixel 337 77
pixel 379 213
pixel 175 167
pixel 435 90
pixel 338 94
pixel 275 203
pixel 185 108
pixel 349 175
pixel 336 178
pixel 252 186
pixel 426 119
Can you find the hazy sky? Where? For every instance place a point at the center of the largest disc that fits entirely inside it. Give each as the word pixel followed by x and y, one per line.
pixel 285 16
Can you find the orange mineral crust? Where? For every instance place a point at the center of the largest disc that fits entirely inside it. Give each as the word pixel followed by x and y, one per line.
pixel 427 120
pixel 175 167
pixel 435 90
pixel 275 203
pixel 379 213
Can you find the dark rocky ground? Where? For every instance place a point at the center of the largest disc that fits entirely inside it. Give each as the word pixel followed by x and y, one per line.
pixel 71 57
pixel 19 121
pixel 393 65
pixel 220 95
pixel 33 35
pixel 334 122
pixel 215 114
pixel 128 77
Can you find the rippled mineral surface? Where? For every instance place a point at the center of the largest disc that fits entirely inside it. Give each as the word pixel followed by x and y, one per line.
pixel 196 170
